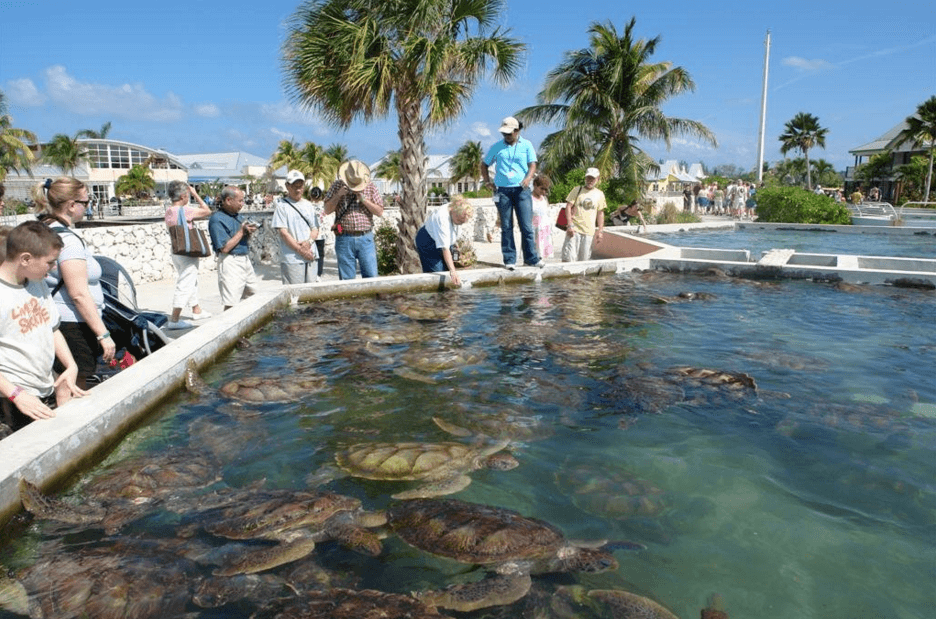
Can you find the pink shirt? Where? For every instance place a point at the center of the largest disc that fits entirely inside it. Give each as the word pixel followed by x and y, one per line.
pixel 172 214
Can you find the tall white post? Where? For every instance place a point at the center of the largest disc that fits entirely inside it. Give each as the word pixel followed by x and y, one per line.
pixel 763 112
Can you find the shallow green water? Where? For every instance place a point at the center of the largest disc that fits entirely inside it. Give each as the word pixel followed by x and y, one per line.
pixel 813 497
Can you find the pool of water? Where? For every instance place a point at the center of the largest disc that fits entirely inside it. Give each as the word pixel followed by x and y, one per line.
pixel 806 241
pixel 811 496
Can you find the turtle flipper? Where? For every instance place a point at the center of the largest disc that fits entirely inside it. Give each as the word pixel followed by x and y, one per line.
pixel 193 381
pixel 267 558
pixel 450 485
pixel 46 507
pixel 491 591
pixel 357 539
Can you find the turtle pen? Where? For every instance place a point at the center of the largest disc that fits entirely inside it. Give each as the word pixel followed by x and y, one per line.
pixel 577 446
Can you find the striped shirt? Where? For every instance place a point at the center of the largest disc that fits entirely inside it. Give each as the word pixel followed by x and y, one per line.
pixel 349 212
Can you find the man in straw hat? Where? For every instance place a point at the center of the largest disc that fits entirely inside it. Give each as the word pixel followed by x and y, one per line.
pixel 514 159
pixel 355 201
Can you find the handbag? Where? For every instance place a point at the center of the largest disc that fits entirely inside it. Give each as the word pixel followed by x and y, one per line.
pixel 188 241
pixel 562 221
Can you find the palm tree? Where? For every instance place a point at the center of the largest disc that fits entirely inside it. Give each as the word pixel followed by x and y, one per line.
pixel 389 167
pixel 64 152
pixel 317 164
pixel 338 152
pixel 920 131
pixel 95 135
pixel 467 162
pixel 138 182
pixel 15 153
pixel 606 98
pixel 359 59
pixel 825 173
pixel 803 132
pixel 287 155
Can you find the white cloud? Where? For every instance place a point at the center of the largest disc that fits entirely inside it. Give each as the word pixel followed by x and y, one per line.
pixel 23 92
pixel 805 64
pixel 479 131
pixel 208 110
pixel 125 101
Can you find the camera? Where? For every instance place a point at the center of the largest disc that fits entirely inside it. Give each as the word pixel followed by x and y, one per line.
pixel 254 223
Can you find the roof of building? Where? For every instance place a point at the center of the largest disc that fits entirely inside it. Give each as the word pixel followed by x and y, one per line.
pixel 203 167
pixel 888 142
pixel 671 168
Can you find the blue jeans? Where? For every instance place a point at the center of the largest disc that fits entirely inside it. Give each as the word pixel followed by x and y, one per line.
pixel 510 200
pixel 430 256
pixel 354 250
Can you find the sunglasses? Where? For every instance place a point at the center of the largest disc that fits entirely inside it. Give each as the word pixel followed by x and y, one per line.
pixel 82 202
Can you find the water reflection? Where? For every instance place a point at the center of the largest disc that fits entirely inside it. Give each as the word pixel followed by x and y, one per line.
pixel 774 444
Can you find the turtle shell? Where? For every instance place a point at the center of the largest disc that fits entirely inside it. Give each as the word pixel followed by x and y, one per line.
pixel 405 461
pixel 473 533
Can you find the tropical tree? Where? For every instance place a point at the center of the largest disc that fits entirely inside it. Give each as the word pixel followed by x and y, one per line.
pixel 825 173
pixel 913 177
pixel 15 153
pixel 466 163
pixel 389 166
pixel 875 169
pixel 95 135
pixel 921 131
pixel 317 164
pixel 801 133
pixel 65 152
pixel 606 98
pixel 138 182
pixel 287 155
pixel 338 152
pixel 356 60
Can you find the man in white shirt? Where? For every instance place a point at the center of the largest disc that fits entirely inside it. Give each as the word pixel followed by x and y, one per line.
pixel 295 219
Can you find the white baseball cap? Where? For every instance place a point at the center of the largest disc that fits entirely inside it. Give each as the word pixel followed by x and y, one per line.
pixel 293 176
pixel 509 125
pixel 593 172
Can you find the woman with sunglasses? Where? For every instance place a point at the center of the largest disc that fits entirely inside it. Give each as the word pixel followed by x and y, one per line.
pixel 76 278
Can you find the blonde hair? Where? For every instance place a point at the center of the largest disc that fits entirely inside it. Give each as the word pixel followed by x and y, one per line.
pixel 51 196
pixel 461 206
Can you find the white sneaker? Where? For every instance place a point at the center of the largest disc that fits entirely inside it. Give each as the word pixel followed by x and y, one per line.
pixel 178 324
pixel 202 314
pixel 540 264
pixel 510 267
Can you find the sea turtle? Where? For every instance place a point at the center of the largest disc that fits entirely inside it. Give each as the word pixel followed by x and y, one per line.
pixel 607 491
pixel 442 467
pixel 417 310
pixel 586 350
pixel 127 490
pixel 703 384
pixel 390 333
pixel 684 297
pixel 256 389
pixel 113 581
pixel 440 360
pixel 294 519
pixel 501 424
pixel 348 604
pixel 503 541
pixel 616 604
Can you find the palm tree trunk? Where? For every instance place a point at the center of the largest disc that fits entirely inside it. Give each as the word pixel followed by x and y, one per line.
pixel 929 176
pixel 808 175
pixel 413 181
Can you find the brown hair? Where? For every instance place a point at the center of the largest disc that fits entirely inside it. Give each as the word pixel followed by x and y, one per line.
pixel 544 182
pixel 32 237
pixel 51 196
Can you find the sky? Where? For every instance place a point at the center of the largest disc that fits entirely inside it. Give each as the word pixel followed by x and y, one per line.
pixel 204 76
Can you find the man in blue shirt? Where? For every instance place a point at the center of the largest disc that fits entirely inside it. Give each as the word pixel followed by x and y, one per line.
pixel 230 234
pixel 514 161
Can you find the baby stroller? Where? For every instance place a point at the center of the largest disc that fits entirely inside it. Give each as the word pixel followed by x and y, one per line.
pixel 133 331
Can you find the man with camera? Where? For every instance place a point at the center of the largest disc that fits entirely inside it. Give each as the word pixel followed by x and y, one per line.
pixel 230 233
pixel 355 201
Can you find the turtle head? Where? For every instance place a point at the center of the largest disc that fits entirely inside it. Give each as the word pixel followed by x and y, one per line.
pixel 579 559
pixel 501 461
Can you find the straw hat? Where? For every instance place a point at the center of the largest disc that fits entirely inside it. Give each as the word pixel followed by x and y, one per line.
pixel 355 174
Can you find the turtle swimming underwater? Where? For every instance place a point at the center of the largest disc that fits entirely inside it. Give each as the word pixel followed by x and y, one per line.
pixel 443 467
pixel 502 540
pixel 295 519
pixel 115 581
pixel 128 489
pixel 254 388
pixel 348 604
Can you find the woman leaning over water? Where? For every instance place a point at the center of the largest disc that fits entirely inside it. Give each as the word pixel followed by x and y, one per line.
pixel 186 286
pixel 439 234
pixel 76 278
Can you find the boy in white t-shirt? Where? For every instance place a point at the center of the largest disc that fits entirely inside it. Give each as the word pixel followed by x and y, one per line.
pixel 29 336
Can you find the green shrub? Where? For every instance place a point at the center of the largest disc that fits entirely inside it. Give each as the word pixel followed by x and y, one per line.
pixel 795 205
pixel 386 238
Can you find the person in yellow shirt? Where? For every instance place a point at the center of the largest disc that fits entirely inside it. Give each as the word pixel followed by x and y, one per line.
pixel 585 207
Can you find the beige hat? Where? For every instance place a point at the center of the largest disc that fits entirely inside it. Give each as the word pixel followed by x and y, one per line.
pixel 509 125
pixel 293 176
pixel 355 174
pixel 593 172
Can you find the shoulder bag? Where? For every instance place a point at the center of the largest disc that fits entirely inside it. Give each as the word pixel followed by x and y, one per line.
pixel 188 240
pixel 561 221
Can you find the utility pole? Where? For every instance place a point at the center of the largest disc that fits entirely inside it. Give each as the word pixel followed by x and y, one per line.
pixel 763 112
